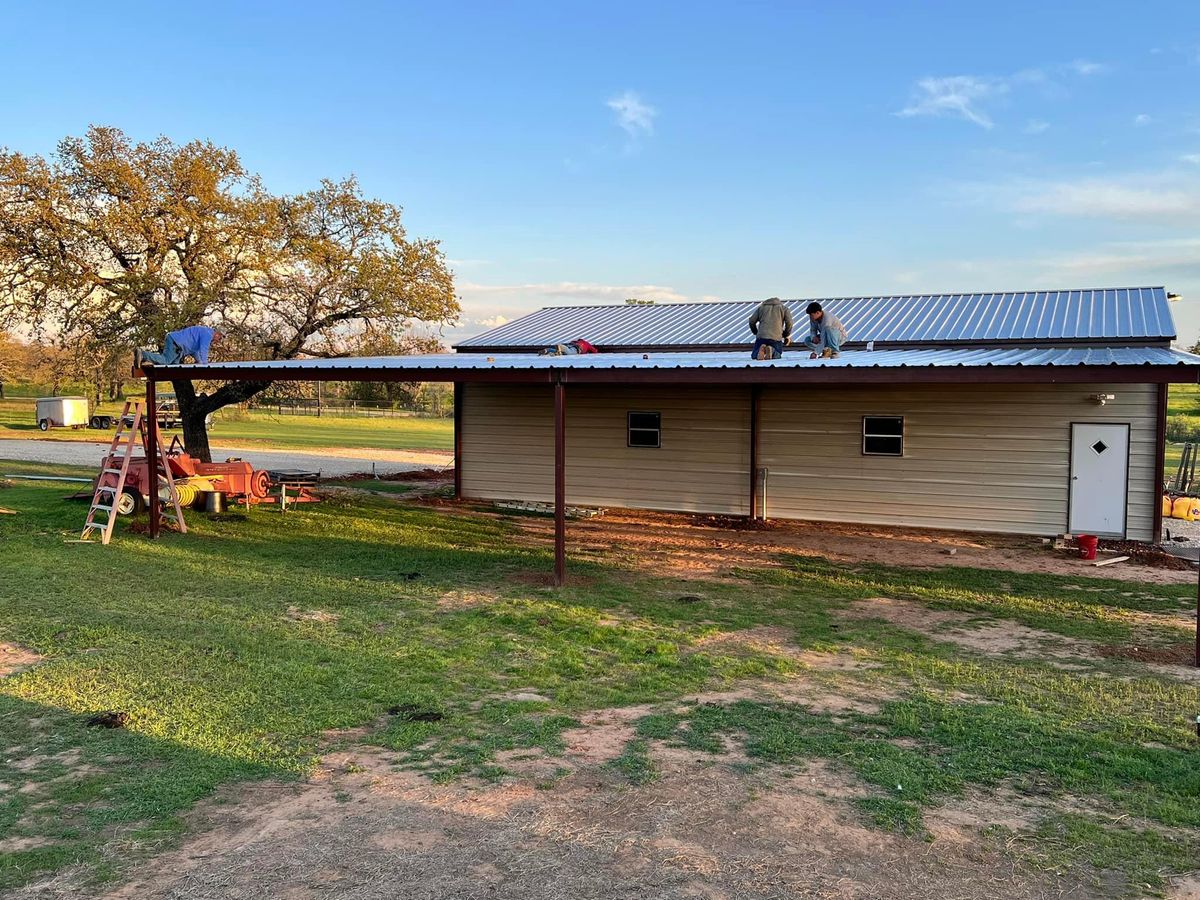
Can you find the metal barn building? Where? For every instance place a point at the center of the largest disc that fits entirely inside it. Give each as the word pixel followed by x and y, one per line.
pixel 1036 413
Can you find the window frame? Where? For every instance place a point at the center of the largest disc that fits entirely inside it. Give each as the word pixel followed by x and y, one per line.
pixel 902 436
pixel 630 429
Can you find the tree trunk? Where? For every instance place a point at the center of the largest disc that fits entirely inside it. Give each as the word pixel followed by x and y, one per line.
pixel 194 409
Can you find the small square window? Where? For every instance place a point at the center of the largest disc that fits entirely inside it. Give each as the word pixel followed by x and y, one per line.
pixel 645 429
pixel 883 436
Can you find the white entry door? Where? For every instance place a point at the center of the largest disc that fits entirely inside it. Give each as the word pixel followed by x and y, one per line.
pixel 1099 469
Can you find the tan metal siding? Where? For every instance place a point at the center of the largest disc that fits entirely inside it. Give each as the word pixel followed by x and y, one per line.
pixel 978 457
pixel 702 466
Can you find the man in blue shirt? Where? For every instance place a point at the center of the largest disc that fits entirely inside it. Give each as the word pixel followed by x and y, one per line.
pixel 193 341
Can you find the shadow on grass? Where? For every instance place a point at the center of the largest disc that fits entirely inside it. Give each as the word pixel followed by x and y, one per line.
pixel 72 789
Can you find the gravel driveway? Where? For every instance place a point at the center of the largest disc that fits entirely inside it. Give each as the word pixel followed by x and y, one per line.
pixel 87 454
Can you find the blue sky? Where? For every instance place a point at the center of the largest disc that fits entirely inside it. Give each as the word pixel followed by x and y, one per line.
pixel 572 153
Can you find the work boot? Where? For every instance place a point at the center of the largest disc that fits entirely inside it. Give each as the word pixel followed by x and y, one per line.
pixel 813 355
pixel 827 353
pixel 764 352
pixel 137 359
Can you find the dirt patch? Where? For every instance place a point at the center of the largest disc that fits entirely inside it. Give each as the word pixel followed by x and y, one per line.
pixel 311 615
pixel 761 638
pixel 688 546
pixel 17 844
pixel 1181 654
pixel 14 659
pixel 69 758
pixel 452 601
pixel 1148 555
pixel 993 637
pixel 362 829
pixel 963 818
pixel 1186 888
pixel 603 734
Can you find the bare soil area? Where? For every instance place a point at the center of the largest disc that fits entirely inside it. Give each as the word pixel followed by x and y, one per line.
pixel 707 546
pixel 14 658
pixel 707 828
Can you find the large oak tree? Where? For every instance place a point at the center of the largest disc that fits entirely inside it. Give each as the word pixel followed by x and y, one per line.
pixel 114 243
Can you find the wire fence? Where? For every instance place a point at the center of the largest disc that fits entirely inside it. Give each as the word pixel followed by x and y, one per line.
pixel 352 409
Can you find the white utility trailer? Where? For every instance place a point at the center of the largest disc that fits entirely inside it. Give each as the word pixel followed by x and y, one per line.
pixel 62 412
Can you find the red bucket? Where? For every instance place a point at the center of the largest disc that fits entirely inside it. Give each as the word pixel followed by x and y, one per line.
pixel 1087 545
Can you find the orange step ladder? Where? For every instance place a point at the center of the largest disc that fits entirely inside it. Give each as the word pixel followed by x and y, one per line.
pixel 110 497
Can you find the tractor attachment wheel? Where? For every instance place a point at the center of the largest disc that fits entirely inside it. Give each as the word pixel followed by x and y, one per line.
pixel 130 503
pixel 260 485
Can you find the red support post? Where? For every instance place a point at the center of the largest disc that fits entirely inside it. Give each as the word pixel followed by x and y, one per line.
pixel 755 394
pixel 1160 462
pixel 458 438
pixel 152 455
pixel 560 484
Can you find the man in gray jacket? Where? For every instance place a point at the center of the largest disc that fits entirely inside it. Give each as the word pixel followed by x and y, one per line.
pixel 826 333
pixel 772 328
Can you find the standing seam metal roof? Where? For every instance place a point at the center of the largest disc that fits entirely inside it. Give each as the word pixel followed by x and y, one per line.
pixel 1099 315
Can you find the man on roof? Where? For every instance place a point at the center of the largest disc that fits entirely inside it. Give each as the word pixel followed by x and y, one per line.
pixel 193 341
pixel 771 325
pixel 826 333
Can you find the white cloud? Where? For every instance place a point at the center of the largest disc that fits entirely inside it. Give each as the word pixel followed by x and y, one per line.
pixel 965 96
pixel 1193 158
pixel 957 95
pixel 1141 119
pixel 1176 256
pixel 491 321
pixel 1159 197
pixel 635 116
pixel 579 291
pixel 1036 126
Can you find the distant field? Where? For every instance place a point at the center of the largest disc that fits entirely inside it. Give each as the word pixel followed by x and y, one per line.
pixel 266 430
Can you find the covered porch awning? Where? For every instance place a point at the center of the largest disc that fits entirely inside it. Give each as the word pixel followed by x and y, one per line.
pixel 1062 365
pixel 995 365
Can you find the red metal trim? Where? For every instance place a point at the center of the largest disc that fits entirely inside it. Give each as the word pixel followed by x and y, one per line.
pixel 458 438
pixel 560 484
pixel 1080 374
pixel 152 460
pixel 1160 463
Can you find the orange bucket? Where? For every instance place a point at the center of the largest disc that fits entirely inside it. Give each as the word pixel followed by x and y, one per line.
pixel 1087 545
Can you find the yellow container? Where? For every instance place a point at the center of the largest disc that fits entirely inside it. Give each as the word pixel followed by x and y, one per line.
pixel 1168 506
pixel 1184 508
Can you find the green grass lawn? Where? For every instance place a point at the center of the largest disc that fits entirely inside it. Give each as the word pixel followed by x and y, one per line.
pixel 233 648
pixel 266 430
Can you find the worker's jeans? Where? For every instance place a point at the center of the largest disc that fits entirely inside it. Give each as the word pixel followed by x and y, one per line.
pixel 776 348
pixel 170 354
pixel 833 340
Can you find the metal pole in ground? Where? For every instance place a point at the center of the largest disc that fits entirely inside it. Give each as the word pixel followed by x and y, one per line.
pixel 152 454
pixel 560 484
pixel 458 439
pixel 755 395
